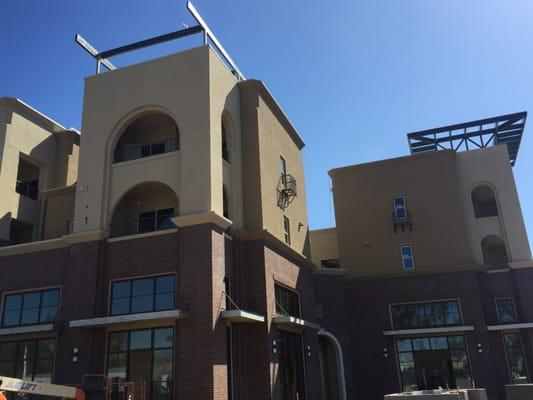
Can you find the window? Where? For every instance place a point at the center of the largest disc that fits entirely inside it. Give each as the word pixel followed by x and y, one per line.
pixel 414 355
pixel 494 252
pixel 30 308
pixel 400 212
pixel 143 355
pixel 484 202
pixel 287 230
pixel 426 315
pixel 515 357
pixel 142 295
pixel 225 144
pixel 30 360
pixel 406 252
pixel 506 311
pixel 155 220
pixel 287 301
pixel 282 166
pixel 27 179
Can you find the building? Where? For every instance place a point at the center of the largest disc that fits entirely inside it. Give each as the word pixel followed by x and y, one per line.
pixel 168 246
pixel 436 267
pixel 175 252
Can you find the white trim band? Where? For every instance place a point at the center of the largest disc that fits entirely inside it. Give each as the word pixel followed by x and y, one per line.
pixel 27 329
pixel 128 318
pixel 426 331
pixel 504 327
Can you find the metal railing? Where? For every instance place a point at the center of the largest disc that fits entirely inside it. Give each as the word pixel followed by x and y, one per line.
pixel 127 152
pixel 402 223
pixel 141 225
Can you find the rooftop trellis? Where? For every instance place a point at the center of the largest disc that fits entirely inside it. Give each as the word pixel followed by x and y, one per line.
pixel 208 38
pixel 505 129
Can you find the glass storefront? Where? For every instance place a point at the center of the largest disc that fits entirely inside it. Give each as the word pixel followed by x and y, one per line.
pixel 433 362
pixel 143 356
pixel 31 360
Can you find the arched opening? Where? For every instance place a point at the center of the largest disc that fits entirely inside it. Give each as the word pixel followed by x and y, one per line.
pixel 494 252
pixel 484 202
pixel 225 203
pixel 225 140
pixel 332 367
pixel 144 208
pixel 147 135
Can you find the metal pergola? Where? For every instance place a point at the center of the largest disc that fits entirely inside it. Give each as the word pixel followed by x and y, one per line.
pixel 208 37
pixel 505 129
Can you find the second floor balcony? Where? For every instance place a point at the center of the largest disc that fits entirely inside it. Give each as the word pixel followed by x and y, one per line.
pixel 147 207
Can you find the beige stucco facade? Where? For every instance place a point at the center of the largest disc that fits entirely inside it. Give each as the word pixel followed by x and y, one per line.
pixel 32 147
pixel 437 187
pixel 324 245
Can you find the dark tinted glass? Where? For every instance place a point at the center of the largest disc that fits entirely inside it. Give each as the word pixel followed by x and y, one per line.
pixel 13 302
pixel 142 287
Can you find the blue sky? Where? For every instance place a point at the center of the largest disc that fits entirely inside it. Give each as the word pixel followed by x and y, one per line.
pixel 353 76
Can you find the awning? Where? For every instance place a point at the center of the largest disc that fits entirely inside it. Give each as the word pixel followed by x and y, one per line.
pixel 289 322
pixel 241 316
pixel 429 331
pixel 505 327
pixel 169 315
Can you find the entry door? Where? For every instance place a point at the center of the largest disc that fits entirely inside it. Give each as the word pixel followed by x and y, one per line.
pixel 291 366
pixel 434 369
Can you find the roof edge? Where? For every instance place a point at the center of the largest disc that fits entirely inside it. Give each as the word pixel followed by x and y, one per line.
pixel 278 111
pixel 28 111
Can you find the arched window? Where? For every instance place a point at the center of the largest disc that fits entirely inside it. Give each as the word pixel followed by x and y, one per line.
pixel 146 207
pixel 225 203
pixel 484 202
pixel 225 142
pixel 147 135
pixel 494 252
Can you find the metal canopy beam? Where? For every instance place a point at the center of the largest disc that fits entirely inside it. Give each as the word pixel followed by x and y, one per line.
pixel 93 52
pixel 101 57
pixel 506 129
pixel 150 42
pixel 196 15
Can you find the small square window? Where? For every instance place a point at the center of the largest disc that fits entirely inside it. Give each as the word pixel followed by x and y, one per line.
pixel 400 211
pixel 406 252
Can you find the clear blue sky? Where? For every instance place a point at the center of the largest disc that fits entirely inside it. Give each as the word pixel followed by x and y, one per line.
pixel 353 76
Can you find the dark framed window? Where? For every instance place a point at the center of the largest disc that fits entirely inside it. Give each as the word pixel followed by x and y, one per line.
pixel 28 360
pixel 143 356
pixel 225 144
pixel 426 315
pixel 282 166
pixel 150 221
pixel 407 256
pixel 400 211
pixel 287 301
pixel 506 311
pixel 30 308
pixel 287 230
pixel 454 349
pixel 143 295
pixel 515 357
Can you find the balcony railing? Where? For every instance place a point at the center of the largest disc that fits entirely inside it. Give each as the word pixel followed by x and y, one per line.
pixel 128 152
pixel 402 223
pixel 286 190
pixel 142 225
